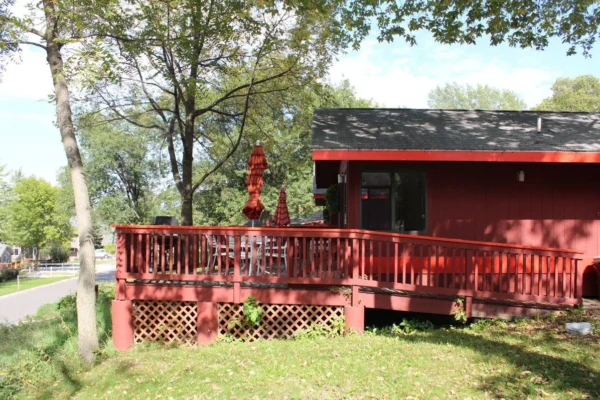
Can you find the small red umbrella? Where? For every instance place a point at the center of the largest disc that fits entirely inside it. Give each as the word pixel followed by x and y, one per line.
pixel 282 215
pixel 257 163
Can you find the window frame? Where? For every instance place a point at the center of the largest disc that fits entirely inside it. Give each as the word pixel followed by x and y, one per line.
pixel 392 171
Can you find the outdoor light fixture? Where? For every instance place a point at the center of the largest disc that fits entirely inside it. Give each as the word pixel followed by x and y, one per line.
pixel 340 179
pixel 521 176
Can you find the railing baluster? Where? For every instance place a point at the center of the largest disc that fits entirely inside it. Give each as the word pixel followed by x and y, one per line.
pixel 564 276
pixel 421 266
pixel 403 262
pixel 370 275
pixel 396 256
pixel 452 255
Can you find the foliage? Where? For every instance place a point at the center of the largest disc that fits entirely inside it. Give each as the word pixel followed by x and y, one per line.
pixel 573 94
pixel 8 274
pixel 34 215
pixel 468 97
pixel 459 311
pixel 59 254
pixel 123 169
pixel 332 199
pixel 198 73
pixel 285 136
pixel 525 23
pixel 252 311
pixel 42 350
pixel 110 248
pixel 322 330
pixel 405 327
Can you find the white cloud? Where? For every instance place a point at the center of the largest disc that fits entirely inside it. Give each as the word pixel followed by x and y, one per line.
pixel 399 76
pixel 29 79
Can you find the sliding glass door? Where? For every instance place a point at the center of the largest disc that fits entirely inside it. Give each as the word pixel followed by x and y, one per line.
pixel 393 200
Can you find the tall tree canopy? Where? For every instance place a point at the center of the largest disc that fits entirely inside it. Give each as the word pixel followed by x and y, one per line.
pixel 34 216
pixel 285 135
pixel 123 168
pixel 195 71
pixel 573 94
pixel 468 97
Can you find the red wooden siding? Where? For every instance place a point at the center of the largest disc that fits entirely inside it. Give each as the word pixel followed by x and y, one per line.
pixel 557 206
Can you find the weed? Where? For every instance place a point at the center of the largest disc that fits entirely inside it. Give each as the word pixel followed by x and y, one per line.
pixel 252 311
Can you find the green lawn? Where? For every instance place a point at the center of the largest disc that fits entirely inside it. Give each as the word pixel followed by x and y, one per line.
pixel 27 283
pixel 494 359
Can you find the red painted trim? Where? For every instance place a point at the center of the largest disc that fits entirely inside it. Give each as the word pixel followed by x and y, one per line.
pixel 456 155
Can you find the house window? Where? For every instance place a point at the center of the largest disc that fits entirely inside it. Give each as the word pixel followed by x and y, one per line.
pixel 393 201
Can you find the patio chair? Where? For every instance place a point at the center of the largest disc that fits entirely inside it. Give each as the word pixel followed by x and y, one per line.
pixel 219 249
pixel 272 250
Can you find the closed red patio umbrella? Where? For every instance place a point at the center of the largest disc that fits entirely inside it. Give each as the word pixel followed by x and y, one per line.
pixel 257 163
pixel 282 215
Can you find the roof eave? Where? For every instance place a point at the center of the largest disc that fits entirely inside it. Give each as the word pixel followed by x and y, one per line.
pixel 456 156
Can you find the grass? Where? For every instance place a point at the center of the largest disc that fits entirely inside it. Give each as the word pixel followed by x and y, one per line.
pixel 9 287
pixel 490 359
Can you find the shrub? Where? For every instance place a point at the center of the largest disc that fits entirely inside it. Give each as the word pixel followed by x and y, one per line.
pixel 110 249
pixel 8 274
pixel 59 254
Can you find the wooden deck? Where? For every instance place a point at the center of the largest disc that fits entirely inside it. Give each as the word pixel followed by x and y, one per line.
pixel 354 269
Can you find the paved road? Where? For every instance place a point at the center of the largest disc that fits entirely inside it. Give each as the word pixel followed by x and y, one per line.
pixel 14 307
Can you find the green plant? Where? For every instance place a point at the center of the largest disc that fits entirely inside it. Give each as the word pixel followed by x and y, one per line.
pixel 332 201
pixel 404 328
pixel 8 274
pixel 252 311
pixel 334 329
pixel 460 312
pixel 110 248
pixel 58 254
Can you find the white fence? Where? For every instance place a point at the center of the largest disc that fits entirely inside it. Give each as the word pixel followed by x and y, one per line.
pixel 53 268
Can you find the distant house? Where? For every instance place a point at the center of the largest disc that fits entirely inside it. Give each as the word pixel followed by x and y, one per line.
pixel 5 253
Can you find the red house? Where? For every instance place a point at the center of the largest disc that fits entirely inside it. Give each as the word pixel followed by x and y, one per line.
pixel 473 213
pixel 516 177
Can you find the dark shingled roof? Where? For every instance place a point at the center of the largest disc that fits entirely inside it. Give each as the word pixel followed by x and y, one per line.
pixel 414 129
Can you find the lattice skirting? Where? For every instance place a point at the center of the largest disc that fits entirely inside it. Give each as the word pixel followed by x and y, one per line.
pixel 278 321
pixel 165 321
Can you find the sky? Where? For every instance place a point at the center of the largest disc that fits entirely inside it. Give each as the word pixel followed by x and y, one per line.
pixel 392 74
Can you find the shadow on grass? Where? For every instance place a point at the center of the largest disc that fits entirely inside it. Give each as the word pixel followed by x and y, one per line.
pixel 537 373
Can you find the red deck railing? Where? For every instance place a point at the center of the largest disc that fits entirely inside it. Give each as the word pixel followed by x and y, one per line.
pixel 345 257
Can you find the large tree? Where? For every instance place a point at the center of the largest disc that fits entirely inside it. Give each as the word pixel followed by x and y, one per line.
pixel 479 97
pixel 34 217
pixel 49 26
pixel 573 94
pixel 199 68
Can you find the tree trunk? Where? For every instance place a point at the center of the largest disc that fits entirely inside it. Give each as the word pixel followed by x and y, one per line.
pixel 187 193
pixel 86 295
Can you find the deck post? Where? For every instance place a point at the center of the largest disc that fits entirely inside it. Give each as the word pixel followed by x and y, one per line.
pixel 122 322
pixel 354 318
pixel 354 314
pixel 207 322
pixel 578 281
pixel 469 306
